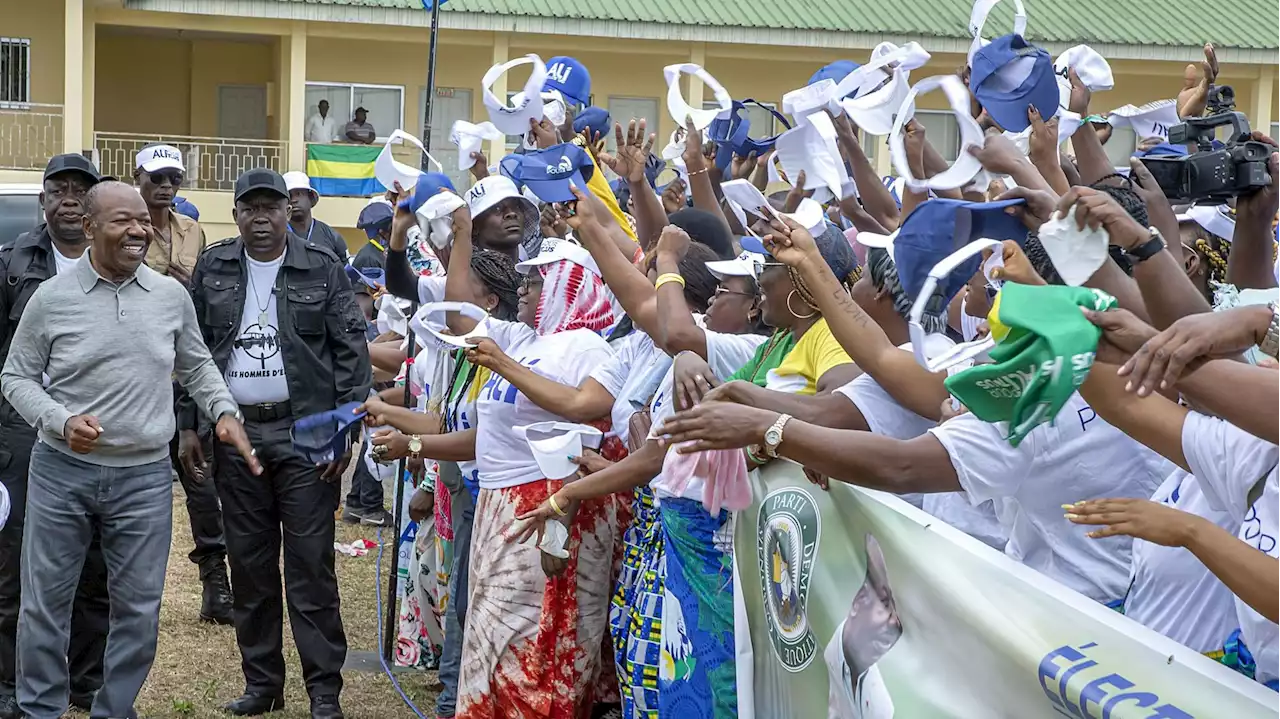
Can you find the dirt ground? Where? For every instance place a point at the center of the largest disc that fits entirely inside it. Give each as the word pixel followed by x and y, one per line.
pixel 197 665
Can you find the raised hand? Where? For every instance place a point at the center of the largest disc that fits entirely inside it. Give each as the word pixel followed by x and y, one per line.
pixel 628 162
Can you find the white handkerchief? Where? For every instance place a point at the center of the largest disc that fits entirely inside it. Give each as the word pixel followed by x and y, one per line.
pixel 744 197
pixel 680 109
pixel 554 538
pixel 470 138
pixel 1075 254
pixel 813 149
pixel 966 166
pixel 435 217
pixel 389 170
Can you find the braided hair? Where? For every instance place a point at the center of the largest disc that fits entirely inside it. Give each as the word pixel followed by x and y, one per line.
pixel 1217 252
pixel 831 237
pixel 884 275
pixel 499 275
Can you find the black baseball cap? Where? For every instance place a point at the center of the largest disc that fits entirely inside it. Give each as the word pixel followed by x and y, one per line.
pixel 73 162
pixel 261 179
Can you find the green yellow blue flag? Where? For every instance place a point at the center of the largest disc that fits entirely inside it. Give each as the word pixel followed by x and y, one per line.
pixel 343 170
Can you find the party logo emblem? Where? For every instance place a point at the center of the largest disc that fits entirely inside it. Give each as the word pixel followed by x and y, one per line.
pixel 787 533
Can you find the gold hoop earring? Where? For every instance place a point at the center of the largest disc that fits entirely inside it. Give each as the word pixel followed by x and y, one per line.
pixel 795 314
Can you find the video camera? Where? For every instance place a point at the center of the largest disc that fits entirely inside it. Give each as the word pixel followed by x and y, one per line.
pixel 1210 176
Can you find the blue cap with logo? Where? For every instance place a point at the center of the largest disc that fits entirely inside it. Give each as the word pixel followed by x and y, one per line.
pixel 429 184
pixel 548 173
pixel 935 229
pixel 570 77
pixel 1009 76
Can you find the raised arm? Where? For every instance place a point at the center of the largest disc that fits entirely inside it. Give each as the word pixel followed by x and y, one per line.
pixel 677 331
pixel 629 163
pixel 400 277
pixel 876 199
pixel 457 281
pixel 1251 264
pixel 896 371
pixel 704 193
pixel 587 402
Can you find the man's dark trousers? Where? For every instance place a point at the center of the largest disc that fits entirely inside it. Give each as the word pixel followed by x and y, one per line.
pixel 288 498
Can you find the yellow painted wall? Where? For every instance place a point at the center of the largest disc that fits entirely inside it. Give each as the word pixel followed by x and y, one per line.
pixel 42 23
pixel 117 103
pixel 215 63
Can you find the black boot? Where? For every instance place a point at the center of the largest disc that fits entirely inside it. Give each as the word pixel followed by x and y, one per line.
pixel 326 707
pixel 216 606
pixel 251 704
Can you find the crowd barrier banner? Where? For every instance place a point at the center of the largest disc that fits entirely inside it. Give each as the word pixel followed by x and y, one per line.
pixel 860 606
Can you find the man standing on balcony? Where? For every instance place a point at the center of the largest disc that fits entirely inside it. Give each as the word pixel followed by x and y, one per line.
pixel 358 130
pixel 284 328
pixel 321 127
pixel 301 199
pixel 89 367
pixel 159 174
pixel 51 248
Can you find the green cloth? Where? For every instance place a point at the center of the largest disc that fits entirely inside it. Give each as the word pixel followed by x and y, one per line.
pixel 767 357
pixel 1039 362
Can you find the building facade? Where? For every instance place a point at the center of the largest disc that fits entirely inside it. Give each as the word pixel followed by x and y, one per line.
pixel 232 82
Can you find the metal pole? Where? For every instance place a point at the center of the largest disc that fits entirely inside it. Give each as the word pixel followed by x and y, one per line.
pixel 391 623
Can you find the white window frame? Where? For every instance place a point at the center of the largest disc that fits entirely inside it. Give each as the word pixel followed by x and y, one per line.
pixel 1274 130
pixel 933 140
pixel 23 47
pixel 351 89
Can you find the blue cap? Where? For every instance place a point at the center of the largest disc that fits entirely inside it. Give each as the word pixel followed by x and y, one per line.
pixel 323 437
pixel 428 185
pixel 835 72
pixel 547 173
pixel 1007 84
pixel 374 217
pixel 1163 149
pixel 595 119
pixel 732 134
pixel 570 77
pixel 936 228
pixel 183 206
pixel 372 277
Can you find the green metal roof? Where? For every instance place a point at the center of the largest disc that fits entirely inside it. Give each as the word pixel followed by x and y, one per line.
pixel 1243 24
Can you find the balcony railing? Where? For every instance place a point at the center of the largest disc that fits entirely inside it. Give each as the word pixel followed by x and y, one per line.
pixel 213 163
pixel 30 133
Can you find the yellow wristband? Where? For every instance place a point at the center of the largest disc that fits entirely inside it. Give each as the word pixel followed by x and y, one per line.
pixel 555 507
pixel 669 277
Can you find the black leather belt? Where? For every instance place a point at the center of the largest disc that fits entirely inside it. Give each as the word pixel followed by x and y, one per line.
pixel 267 412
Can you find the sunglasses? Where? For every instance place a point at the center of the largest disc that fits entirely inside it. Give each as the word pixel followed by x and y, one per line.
pixel 174 178
pixel 721 291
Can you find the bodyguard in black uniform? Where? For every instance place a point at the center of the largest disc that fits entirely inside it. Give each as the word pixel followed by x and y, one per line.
pixel 32 258
pixel 281 321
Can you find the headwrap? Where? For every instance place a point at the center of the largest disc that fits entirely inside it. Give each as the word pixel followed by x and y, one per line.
pixel 573 297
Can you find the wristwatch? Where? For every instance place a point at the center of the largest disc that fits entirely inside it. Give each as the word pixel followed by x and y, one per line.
pixel 773 436
pixel 415 445
pixel 1145 251
pixel 1271 341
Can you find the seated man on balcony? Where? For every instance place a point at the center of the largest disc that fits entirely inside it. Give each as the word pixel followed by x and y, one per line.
pixel 359 130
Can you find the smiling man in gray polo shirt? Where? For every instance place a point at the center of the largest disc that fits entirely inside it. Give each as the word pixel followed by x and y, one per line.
pixel 89 367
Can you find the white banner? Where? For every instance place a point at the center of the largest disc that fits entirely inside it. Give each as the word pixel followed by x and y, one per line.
pixel 940 625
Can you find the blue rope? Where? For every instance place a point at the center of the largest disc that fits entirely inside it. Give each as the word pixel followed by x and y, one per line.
pixel 383 660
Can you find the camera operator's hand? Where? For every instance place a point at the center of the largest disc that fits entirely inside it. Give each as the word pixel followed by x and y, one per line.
pixel 1195 84
pixel 1262 204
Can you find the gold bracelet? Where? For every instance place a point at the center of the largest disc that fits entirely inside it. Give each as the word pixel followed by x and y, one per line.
pixel 668 277
pixel 555 507
pixel 699 172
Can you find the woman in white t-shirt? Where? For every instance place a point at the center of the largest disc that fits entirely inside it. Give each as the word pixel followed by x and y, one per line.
pixel 535 622
pixel 1233 492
